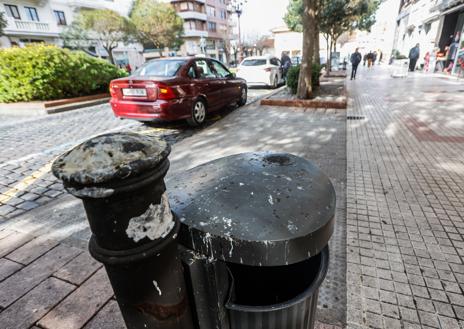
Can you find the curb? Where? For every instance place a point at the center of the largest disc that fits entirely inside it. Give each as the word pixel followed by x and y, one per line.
pixel 51 107
pixel 305 103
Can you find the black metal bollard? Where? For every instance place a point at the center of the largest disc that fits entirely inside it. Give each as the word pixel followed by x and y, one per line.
pixel 120 178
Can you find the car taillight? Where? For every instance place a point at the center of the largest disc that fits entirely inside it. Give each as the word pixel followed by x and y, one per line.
pixel 165 92
pixel 113 89
pixel 267 69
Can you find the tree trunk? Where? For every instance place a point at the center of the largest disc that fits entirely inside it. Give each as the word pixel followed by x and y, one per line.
pixel 309 28
pixel 110 54
pixel 317 55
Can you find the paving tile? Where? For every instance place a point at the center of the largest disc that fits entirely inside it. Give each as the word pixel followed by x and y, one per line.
pixel 7 267
pixel 35 304
pixel 87 299
pixel 109 317
pixel 79 269
pixel 31 250
pixel 13 241
pixel 28 277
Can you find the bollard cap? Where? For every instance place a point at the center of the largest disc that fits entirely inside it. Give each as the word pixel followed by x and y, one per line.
pixel 261 209
pixel 110 158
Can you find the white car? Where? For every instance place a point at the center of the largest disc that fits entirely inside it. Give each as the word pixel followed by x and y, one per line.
pixel 261 71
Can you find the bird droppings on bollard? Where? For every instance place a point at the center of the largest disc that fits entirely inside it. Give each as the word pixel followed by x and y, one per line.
pixel 92 192
pixel 155 283
pixel 155 223
pixel 109 156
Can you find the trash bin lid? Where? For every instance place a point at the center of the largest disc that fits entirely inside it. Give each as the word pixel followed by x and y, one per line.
pixel 261 209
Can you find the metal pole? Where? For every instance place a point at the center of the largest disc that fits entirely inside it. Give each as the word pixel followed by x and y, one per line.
pixel 239 12
pixel 120 178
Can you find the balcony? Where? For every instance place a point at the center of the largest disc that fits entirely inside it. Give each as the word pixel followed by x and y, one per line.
pixel 195 33
pixel 192 15
pixel 89 4
pixel 23 27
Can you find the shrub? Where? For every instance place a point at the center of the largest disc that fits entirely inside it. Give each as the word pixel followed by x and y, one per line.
pixel 294 72
pixel 292 78
pixel 43 72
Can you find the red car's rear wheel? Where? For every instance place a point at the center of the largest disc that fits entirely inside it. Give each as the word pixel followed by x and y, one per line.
pixel 198 115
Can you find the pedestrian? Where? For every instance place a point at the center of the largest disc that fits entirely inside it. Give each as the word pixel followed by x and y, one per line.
pixel 370 58
pixel 285 63
pixel 355 60
pixel 364 59
pixel 414 54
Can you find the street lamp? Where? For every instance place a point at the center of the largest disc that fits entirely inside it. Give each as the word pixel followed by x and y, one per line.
pixel 237 7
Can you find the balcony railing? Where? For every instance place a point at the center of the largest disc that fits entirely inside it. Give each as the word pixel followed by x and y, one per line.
pixel 192 15
pixel 91 4
pixel 16 25
pixel 195 33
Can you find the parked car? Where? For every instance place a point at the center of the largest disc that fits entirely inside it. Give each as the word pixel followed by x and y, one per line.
pixel 261 71
pixel 176 88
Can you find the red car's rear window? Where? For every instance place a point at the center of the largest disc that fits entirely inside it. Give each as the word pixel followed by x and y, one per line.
pixel 160 68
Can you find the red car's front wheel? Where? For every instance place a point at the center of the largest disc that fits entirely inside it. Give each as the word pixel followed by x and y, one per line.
pixel 198 115
pixel 243 97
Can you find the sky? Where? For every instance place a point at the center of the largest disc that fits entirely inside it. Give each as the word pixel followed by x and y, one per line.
pixel 260 16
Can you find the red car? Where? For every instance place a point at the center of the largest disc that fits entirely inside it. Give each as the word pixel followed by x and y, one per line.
pixel 176 88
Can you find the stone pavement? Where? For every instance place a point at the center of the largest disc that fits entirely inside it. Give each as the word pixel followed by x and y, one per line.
pixel 29 145
pixel 44 249
pixel 405 203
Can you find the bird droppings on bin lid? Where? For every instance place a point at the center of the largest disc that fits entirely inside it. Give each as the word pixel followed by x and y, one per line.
pixel 261 209
pixel 108 157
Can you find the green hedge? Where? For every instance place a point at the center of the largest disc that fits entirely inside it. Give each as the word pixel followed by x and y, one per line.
pixel 43 72
pixel 294 72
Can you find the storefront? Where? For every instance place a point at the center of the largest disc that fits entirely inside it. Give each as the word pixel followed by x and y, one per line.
pixel 451 41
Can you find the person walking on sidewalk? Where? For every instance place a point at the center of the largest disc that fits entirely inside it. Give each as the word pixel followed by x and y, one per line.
pixel 285 63
pixel 414 54
pixel 355 60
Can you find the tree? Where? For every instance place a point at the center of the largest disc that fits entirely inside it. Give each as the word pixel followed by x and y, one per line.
pixel 2 23
pixel 293 19
pixel 157 23
pixel 309 24
pixel 104 26
pixel 340 16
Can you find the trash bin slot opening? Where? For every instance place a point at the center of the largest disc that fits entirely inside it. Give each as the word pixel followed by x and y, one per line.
pixel 264 285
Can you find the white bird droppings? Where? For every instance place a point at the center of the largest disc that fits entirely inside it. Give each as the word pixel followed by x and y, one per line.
pixel 154 223
pixel 271 201
pixel 157 287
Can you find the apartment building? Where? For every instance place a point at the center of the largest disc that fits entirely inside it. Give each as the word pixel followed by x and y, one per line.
pixel 208 27
pixel 434 24
pixel 31 21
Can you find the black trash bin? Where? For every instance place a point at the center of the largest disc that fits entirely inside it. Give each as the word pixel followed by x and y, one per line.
pixel 264 220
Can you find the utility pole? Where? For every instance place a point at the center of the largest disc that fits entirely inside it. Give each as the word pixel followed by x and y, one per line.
pixel 237 7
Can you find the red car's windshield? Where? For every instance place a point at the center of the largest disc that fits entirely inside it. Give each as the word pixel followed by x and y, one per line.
pixel 160 68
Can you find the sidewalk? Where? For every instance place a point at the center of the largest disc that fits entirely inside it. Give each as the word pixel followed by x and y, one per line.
pixel 55 267
pixel 405 203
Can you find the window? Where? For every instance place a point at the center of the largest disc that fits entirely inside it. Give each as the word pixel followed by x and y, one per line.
pixel 60 19
pixel 12 11
pixel 191 73
pixel 274 61
pixel 160 68
pixel 221 71
pixel 254 62
pixel 203 70
pixel 223 14
pixel 211 11
pixel 189 25
pixel 212 26
pixel 32 14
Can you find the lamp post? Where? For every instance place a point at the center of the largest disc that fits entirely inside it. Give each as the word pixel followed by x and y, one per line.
pixel 237 7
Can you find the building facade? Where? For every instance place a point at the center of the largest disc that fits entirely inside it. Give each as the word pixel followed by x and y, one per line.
pixel 208 27
pixel 437 26
pixel 33 21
